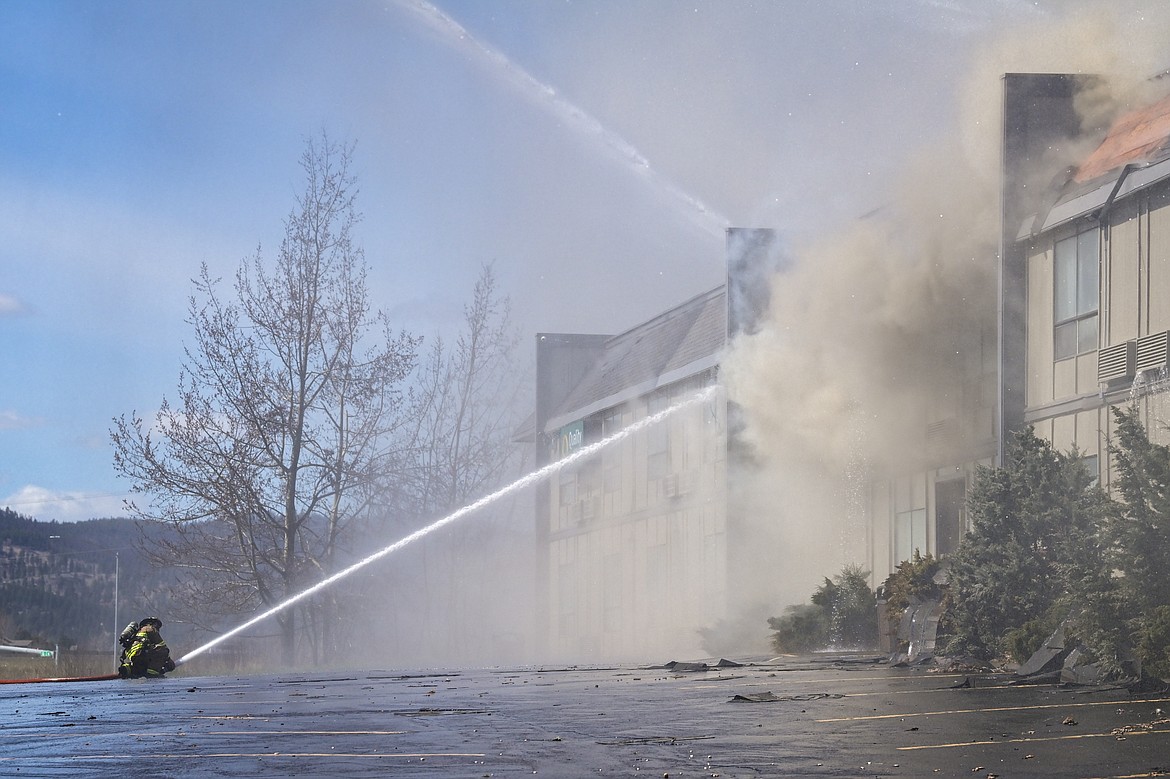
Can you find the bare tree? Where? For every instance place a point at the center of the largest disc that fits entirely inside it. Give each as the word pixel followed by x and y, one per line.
pixel 281 432
pixel 466 401
pixel 464 406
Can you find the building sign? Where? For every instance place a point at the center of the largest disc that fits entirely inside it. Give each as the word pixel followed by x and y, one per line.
pixel 568 440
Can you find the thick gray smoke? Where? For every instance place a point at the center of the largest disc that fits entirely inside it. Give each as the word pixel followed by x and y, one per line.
pixel 877 329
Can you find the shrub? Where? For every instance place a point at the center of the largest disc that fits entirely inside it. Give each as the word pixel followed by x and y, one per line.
pixel 912 582
pixel 803 628
pixel 1022 642
pixel 842 614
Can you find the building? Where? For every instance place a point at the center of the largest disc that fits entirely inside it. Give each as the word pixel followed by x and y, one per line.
pixel 634 542
pixel 1083 315
pixel 923 507
pixel 1097 261
pixel 643 547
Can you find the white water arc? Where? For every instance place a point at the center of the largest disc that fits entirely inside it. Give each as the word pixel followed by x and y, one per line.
pixel 568 113
pixel 519 484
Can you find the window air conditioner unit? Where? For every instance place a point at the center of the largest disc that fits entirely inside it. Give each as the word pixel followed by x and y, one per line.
pixel 1116 363
pixel 1152 351
pixel 670 485
pixel 942 429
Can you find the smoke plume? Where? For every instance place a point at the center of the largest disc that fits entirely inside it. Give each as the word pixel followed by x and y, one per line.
pixel 883 328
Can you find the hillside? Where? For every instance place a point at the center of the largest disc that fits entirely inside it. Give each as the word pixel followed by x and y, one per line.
pixel 57 580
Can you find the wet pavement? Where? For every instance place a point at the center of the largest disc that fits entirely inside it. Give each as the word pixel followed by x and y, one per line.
pixel 810 717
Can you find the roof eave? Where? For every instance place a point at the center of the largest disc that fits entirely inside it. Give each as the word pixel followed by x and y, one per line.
pixel 1126 181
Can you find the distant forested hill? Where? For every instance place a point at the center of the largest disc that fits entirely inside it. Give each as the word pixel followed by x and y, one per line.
pixel 58 579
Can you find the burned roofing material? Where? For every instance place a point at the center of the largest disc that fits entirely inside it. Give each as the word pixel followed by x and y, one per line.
pixel 1140 136
pixel 1134 154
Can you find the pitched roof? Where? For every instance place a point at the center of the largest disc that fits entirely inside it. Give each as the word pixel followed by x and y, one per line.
pixel 673 345
pixel 1134 154
pixel 1142 135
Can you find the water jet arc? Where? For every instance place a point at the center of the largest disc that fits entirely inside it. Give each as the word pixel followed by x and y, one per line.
pixel 519 484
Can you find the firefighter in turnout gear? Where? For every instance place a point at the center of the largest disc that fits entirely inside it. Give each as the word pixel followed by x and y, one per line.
pixel 144 653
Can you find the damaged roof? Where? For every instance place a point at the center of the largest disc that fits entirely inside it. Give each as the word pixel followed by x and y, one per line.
pixel 1139 136
pixel 1134 154
pixel 676 344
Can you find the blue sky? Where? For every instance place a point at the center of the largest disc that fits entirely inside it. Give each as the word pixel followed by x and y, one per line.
pixel 594 151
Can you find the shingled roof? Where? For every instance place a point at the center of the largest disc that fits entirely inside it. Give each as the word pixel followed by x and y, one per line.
pixel 673 345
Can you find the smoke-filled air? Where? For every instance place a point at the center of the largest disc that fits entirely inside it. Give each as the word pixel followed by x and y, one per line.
pixel 519 222
pixel 876 327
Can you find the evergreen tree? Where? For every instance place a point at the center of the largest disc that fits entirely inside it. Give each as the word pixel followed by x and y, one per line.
pixel 1034 540
pixel 1136 612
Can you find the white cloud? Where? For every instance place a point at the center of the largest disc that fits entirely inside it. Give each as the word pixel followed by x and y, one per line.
pixel 12 420
pixel 10 306
pixel 44 504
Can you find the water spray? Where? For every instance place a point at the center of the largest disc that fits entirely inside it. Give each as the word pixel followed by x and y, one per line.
pixel 519 484
pixel 567 113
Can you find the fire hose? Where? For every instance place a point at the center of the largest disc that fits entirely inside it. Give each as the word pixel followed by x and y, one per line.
pixel 45 679
pixel 42 680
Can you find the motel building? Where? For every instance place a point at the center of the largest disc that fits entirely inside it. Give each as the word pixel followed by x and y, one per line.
pixel 641 548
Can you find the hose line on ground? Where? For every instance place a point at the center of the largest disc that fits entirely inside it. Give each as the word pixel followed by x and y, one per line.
pixel 105 678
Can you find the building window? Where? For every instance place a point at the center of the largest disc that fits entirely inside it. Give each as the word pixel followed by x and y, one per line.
pixel 611 422
pixel 909 534
pixel 1076 272
pixel 589 477
pixel 1093 468
pixel 567 487
pixel 612 455
pixel 658 439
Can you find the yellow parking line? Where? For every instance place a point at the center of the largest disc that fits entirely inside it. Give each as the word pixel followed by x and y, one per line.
pixel 1031 740
pixel 1066 705
pixel 784 676
pixel 233 716
pixel 929 689
pixel 190 733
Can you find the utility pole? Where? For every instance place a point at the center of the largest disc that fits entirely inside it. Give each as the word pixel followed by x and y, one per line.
pixel 116 646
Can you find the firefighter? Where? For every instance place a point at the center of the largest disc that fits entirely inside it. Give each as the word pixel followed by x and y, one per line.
pixel 145 653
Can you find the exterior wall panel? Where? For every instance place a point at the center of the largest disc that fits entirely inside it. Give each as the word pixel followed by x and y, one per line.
pixel 1086 368
pixel 1064 379
pixel 1064 432
pixel 1122 265
pixel 1039 334
pixel 1089 439
pixel 1158 253
pixel 1044 429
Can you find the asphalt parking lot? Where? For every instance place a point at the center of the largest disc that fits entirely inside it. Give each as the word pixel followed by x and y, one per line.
pixel 808 717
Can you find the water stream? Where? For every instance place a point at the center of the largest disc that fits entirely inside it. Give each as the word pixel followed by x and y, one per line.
pixel 521 483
